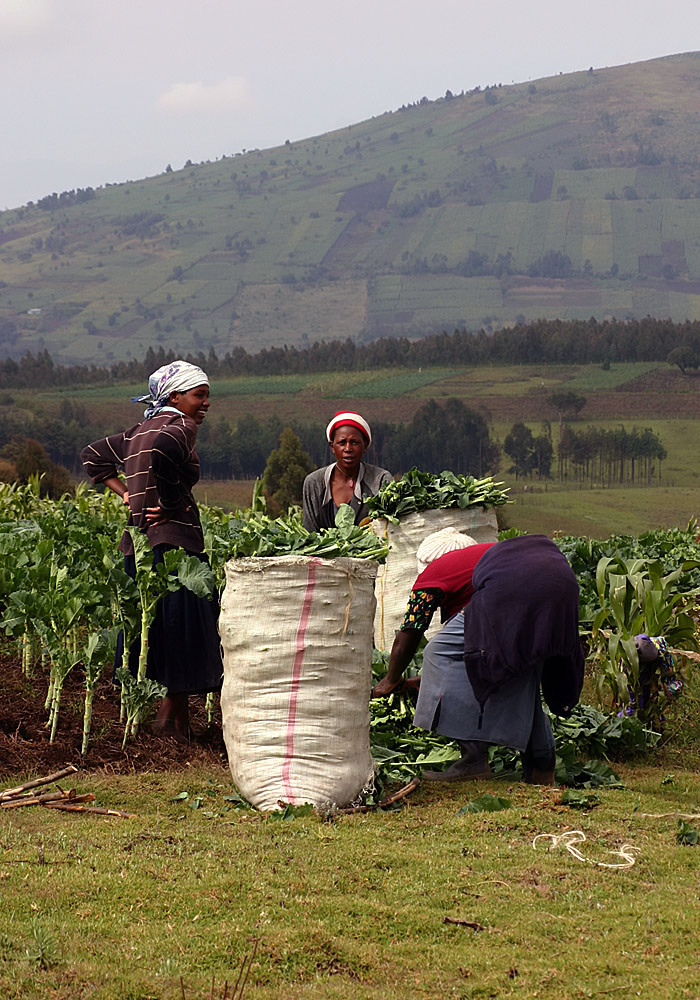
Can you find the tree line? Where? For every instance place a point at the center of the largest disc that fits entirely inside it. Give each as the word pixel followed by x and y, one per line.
pixel 540 342
pixel 440 436
pixel 595 455
pixel 610 456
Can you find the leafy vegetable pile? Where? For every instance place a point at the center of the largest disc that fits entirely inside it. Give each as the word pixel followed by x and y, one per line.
pixel 417 491
pixel 580 742
pixel 252 533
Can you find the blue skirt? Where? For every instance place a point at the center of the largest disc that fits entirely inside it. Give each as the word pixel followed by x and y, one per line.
pixel 512 716
pixel 184 650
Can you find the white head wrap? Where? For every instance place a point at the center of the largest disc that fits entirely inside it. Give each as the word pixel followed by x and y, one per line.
pixel 178 376
pixel 440 542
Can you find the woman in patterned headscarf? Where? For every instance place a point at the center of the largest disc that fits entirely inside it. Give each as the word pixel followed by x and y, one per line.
pixel 160 465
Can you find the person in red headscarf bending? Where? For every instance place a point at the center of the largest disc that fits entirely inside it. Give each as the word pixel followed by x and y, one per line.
pixel 348 480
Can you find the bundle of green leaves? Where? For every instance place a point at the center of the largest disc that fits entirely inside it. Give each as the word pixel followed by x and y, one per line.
pixel 416 491
pixel 252 533
pixel 584 743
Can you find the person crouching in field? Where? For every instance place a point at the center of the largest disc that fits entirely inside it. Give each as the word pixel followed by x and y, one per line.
pixel 511 613
pixel 160 465
pixel 348 480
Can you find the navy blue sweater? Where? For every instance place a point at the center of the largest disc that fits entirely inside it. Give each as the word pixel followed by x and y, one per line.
pixel 524 616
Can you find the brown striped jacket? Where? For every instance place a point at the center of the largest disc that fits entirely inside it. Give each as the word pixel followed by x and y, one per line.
pixel 160 463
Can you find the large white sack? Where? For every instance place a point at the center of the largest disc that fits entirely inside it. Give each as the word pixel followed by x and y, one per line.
pixel 297 639
pixel 397 575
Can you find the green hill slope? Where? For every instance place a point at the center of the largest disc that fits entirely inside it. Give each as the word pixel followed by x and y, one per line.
pixel 572 196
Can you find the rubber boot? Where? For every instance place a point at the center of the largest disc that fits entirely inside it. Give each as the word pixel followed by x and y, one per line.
pixel 471 766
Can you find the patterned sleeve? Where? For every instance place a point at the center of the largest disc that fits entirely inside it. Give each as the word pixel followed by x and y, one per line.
pixel 103 459
pixel 422 605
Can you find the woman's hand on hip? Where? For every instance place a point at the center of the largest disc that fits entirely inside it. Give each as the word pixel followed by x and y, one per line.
pixel 155 515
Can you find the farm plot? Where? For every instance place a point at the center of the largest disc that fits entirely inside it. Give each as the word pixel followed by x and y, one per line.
pixel 435 299
pixel 594 378
pixel 506 380
pixel 683 306
pixel 643 298
pixel 399 384
pixel 504 220
pixel 593 185
pixel 616 300
pixel 648 216
pixel 453 233
pixel 596 243
pixel 625 238
pixel 534 239
pixel 269 312
pixel 256 385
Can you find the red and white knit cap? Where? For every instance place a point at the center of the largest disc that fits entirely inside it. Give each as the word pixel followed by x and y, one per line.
pixel 345 418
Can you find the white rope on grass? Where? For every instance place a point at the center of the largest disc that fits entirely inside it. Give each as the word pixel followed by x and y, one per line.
pixel 676 815
pixel 570 838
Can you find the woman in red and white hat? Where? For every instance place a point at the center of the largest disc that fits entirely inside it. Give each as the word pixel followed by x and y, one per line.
pixel 348 480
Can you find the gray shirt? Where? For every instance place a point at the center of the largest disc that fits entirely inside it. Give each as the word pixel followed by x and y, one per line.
pixel 319 508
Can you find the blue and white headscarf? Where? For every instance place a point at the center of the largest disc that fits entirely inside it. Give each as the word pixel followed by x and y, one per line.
pixel 178 376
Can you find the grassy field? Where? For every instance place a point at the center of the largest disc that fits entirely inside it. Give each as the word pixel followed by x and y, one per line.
pixel 419 902
pixel 599 513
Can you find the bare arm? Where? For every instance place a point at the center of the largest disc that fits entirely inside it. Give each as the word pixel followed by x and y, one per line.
pixel 310 504
pixel 402 652
pixel 115 484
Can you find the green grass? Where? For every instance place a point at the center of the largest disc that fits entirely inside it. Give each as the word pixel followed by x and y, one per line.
pixel 351 907
pixel 390 385
pixel 596 378
pixel 598 513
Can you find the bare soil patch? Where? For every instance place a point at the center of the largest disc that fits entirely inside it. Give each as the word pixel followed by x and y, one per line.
pixel 24 738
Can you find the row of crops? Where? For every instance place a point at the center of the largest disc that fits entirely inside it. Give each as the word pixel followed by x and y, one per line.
pixel 65 596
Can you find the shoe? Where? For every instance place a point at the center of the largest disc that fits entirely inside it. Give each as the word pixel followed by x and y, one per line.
pixel 538 777
pixel 464 769
pixel 538 769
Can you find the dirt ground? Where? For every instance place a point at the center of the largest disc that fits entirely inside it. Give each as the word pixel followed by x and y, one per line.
pixel 24 737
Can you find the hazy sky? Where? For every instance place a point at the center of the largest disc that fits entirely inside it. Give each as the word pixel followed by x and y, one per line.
pixel 100 91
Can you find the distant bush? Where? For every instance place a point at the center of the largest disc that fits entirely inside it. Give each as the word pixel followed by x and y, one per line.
pixel 553 264
pixel 66 198
pixel 141 224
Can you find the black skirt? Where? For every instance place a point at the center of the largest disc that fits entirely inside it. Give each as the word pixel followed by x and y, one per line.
pixel 184 650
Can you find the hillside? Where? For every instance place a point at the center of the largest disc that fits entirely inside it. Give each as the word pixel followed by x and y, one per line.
pixel 573 196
